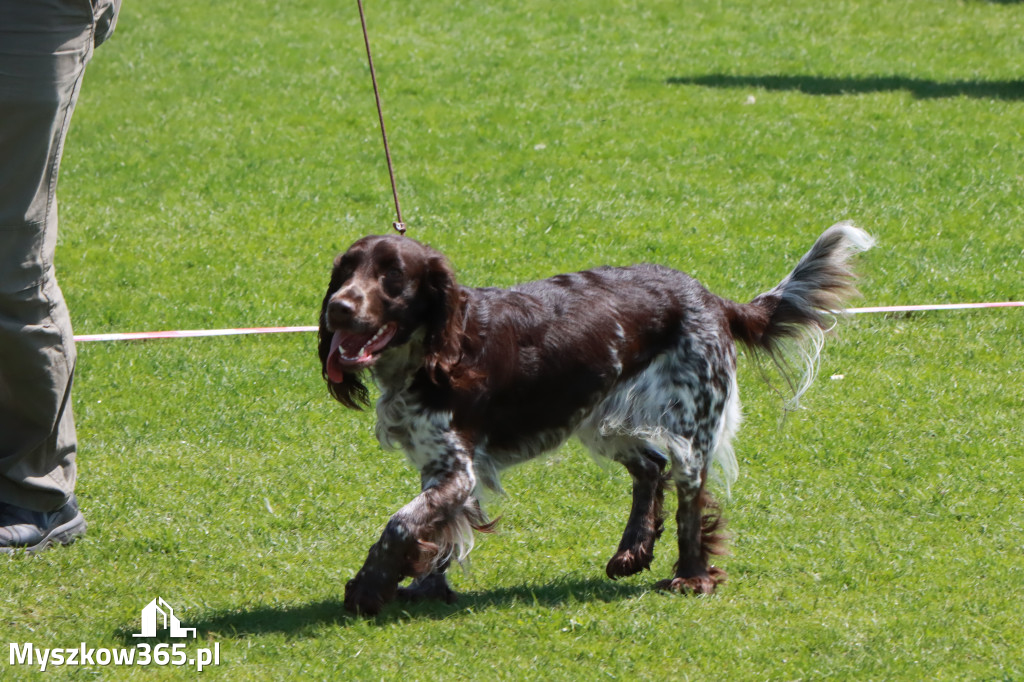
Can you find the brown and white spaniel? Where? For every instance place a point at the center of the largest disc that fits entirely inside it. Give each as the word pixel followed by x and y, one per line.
pixel 638 362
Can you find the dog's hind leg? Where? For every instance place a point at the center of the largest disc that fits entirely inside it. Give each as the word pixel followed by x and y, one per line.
pixel 699 527
pixel 694 445
pixel 645 465
pixel 646 520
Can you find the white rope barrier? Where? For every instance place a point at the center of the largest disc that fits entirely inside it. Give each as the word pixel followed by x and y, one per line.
pixel 194 333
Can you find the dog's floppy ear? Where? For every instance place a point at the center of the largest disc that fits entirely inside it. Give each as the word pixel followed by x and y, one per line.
pixel 351 392
pixel 444 318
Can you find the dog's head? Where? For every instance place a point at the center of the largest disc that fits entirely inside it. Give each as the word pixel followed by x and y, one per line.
pixel 383 290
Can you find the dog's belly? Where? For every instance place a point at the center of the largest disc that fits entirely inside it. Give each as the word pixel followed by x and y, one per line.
pixel 489 461
pixel 528 447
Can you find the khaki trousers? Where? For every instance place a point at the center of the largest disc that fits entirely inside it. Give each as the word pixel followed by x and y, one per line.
pixel 44 47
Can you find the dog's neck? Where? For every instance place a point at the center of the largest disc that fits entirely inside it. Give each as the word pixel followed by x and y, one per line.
pixel 397 366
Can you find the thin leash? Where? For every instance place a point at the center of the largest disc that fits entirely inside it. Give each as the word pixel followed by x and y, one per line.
pixel 399 224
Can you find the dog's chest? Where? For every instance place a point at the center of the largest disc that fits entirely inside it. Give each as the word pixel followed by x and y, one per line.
pixel 402 422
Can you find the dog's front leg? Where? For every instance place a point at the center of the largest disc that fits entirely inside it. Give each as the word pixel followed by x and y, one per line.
pixel 418 540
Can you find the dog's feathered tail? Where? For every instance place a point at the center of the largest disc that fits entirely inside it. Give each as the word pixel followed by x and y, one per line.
pixel 789 322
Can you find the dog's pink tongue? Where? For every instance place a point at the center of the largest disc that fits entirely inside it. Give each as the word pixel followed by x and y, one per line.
pixel 334 370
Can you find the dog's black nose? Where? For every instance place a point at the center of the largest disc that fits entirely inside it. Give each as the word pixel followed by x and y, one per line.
pixel 341 308
pixel 345 304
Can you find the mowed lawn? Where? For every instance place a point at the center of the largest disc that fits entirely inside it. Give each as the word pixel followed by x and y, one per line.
pixel 222 153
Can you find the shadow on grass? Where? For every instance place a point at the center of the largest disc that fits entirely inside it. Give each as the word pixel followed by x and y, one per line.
pixel 821 85
pixel 306 619
pixel 291 619
pixel 551 594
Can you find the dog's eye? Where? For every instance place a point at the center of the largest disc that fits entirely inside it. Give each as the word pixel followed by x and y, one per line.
pixel 393 280
pixel 340 275
pixel 344 266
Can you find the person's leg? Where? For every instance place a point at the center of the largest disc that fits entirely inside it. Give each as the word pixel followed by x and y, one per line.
pixel 44 47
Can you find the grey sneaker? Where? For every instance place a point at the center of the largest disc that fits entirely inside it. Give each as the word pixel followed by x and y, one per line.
pixel 24 530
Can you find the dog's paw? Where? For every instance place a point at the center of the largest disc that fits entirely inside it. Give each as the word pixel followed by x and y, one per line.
pixel 363 598
pixel 697 584
pixel 628 562
pixel 433 586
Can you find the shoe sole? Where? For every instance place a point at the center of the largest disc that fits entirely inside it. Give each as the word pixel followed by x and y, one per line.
pixel 64 534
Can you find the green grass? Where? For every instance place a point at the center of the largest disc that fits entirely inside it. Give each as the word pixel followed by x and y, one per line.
pixel 223 152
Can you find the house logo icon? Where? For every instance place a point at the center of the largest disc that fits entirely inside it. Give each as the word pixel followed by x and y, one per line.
pixel 160 611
